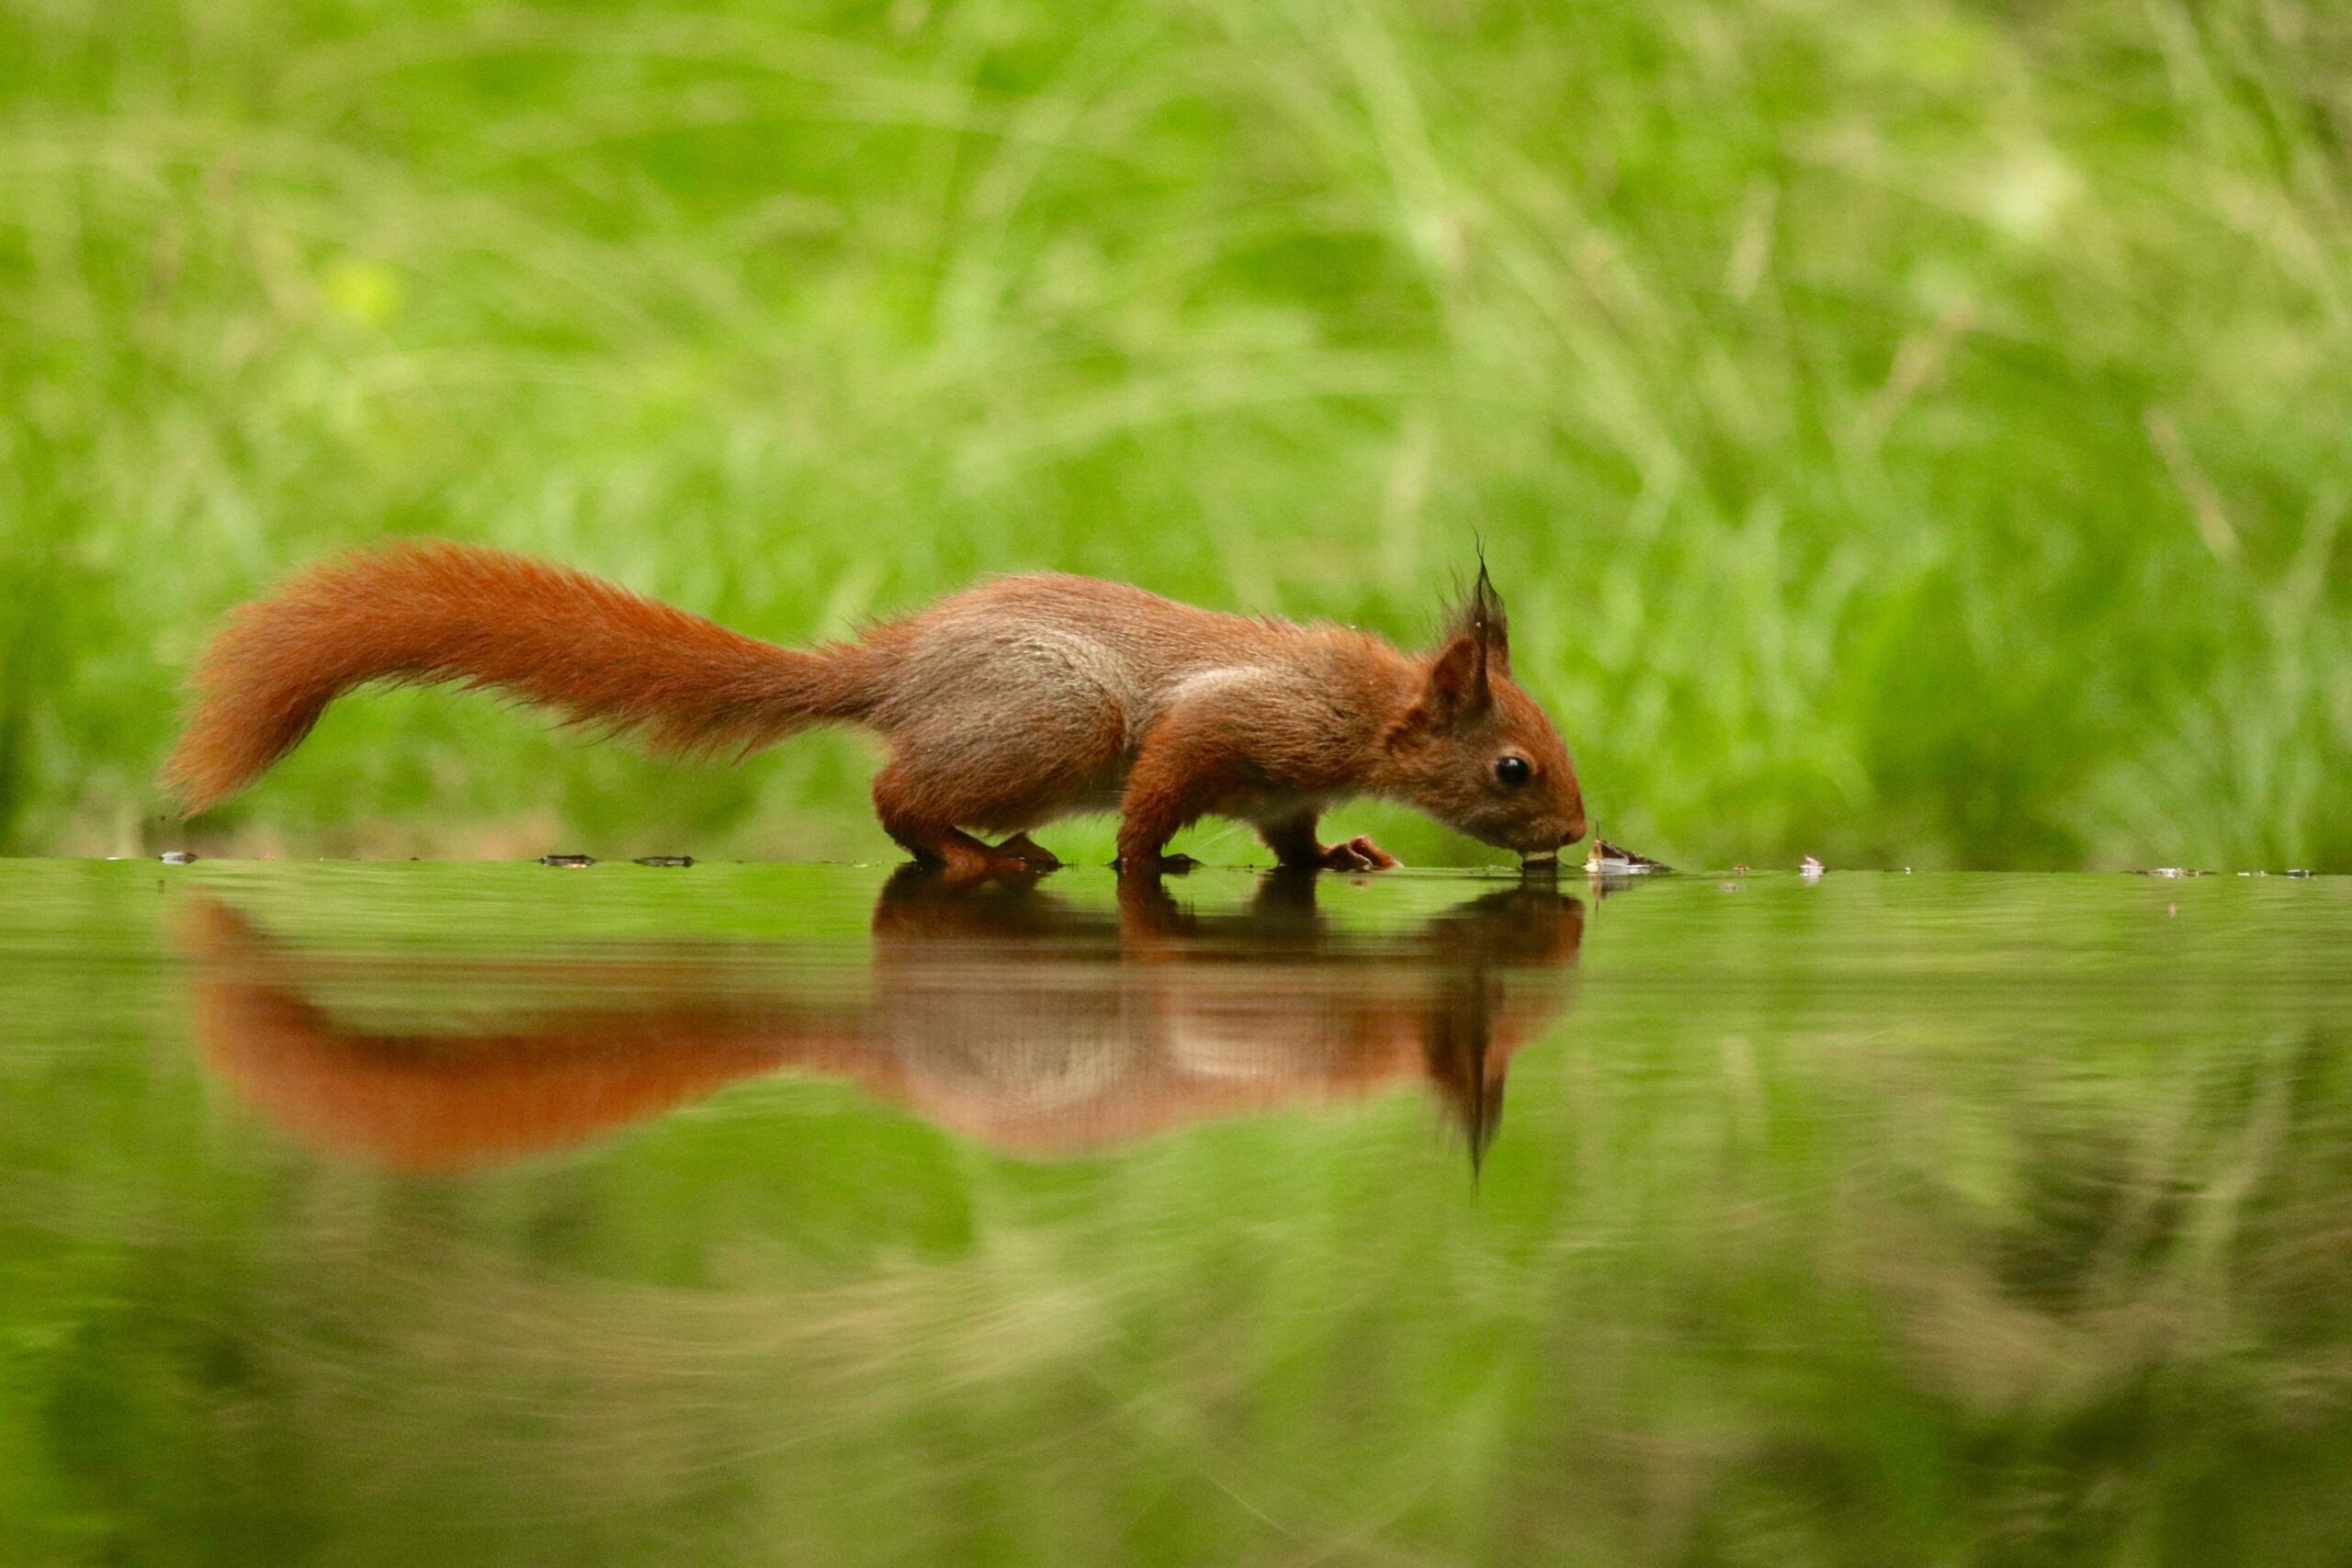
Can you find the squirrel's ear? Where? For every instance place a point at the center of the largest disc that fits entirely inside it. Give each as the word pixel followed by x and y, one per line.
pixel 1456 688
pixel 1459 684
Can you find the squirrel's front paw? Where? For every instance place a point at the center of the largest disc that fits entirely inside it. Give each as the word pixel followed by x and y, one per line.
pixel 1359 854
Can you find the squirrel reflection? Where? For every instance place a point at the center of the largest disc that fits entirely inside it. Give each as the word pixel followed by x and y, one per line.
pixel 1032 1025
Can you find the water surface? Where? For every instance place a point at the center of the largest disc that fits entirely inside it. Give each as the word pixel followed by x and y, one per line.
pixel 514 1215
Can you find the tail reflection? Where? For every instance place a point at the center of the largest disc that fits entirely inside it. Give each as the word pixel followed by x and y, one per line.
pixel 1030 1024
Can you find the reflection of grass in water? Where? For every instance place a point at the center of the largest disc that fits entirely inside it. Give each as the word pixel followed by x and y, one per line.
pixel 1728 1350
pixel 2040 1263
pixel 1903 436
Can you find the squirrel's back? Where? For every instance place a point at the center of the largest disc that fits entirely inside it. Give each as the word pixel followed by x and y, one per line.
pixel 1080 636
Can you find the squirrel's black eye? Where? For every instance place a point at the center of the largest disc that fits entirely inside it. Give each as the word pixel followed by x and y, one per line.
pixel 1512 771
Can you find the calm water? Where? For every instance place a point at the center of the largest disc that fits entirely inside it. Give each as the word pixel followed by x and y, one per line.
pixel 507 1214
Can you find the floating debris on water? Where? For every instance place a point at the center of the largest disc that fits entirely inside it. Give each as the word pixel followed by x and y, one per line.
pixel 1811 869
pixel 178 857
pixel 569 861
pixel 2174 871
pixel 2298 873
pixel 1614 859
pixel 665 860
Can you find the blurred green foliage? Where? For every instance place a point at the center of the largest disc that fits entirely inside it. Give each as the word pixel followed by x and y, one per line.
pixel 1911 432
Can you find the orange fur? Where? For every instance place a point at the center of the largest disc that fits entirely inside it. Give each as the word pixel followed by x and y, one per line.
pixel 419 613
pixel 1004 707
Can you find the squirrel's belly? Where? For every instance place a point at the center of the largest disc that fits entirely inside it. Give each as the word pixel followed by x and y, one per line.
pixel 1097 792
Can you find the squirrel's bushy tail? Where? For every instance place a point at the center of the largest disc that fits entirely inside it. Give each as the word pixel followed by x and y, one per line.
pixel 418 614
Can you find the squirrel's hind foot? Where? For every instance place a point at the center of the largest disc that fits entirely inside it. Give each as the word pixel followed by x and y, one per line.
pixel 1029 852
pixel 960 870
pixel 959 859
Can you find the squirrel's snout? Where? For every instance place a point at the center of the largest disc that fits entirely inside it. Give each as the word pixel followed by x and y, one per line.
pixel 1538 845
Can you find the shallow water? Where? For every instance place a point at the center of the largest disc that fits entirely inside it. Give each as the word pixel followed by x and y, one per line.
pixel 517 1215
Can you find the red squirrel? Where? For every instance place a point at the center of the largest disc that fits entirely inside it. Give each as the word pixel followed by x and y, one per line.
pixel 1004 706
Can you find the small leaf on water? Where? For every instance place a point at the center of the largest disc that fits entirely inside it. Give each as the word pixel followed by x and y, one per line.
pixel 1613 860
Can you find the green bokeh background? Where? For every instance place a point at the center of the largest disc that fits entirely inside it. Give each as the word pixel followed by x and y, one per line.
pixel 1907 433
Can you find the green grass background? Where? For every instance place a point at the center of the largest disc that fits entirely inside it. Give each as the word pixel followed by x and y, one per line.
pixel 1911 432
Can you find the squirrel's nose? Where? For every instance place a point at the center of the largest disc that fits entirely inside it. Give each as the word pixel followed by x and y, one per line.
pixel 1575 830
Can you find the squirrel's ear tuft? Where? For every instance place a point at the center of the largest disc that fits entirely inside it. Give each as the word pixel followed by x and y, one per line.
pixel 1481 619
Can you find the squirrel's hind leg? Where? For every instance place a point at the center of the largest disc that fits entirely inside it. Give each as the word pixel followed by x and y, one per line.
pixel 926 828
pixel 956 769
